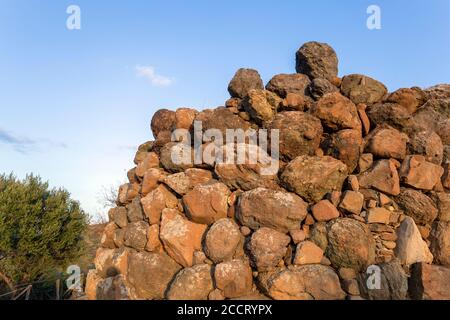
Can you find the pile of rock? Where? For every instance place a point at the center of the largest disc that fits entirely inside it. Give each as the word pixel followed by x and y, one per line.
pixel 362 196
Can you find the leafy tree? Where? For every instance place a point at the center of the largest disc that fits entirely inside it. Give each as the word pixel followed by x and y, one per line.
pixel 41 229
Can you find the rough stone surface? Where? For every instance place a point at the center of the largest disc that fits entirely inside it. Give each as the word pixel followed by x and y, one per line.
pixel 428 144
pixel 194 283
pixel 180 237
pixel 382 176
pixel 320 87
pixel 261 105
pixel 417 205
pixel 267 247
pixel 350 244
pixel 156 201
pixel 393 283
pixel 344 145
pixel 317 60
pixel 222 240
pixel 183 182
pixel 410 246
pixel 283 84
pixel 136 235
pixel 440 243
pixel 299 133
pixel 352 202
pixel 429 282
pixel 151 273
pixel 307 252
pixel 207 203
pixel 234 278
pixel 363 89
pixel 310 282
pixel 249 175
pixel 324 210
pixel 162 120
pixel 243 81
pixel 313 177
pixel 386 142
pixel 337 112
pixel 279 210
pixel 419 173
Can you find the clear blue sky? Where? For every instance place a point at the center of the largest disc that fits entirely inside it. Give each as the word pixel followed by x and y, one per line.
pixel 74 106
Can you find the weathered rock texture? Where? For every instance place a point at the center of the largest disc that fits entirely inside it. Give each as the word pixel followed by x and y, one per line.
pixel 358 202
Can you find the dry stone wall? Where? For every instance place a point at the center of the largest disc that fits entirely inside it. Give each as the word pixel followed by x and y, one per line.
pixel 361 196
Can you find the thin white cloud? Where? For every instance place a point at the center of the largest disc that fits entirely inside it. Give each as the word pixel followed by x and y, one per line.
pixel 154 78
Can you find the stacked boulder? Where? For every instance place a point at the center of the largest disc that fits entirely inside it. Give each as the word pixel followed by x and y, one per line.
pixel 363 184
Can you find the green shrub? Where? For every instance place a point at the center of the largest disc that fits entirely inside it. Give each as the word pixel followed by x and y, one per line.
pixel 41 229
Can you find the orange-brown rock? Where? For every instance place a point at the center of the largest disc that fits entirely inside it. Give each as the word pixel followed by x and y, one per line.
pixel 134 210
pixel 344 145
pixel 313 177
pixel 386 142
pixel 193 283
pixel 183 182
pixel 267 248
pixel 111 262
pixel 382 176
pixel 128 192
pixel 417 205
pixel 309 282
pixel 350 244
pixel 428 144
pixel 337 112
pixel 153 242
pixel 429 282
pixel 261 105
pixel 279 210
pixel 207 203
pixel 378 215
pixel 150 273
pixel 324 210
pixel 184 118
pixel 136 235
pixel 142 151
pixel 119 216
pixel 294 102
pixel 407 98
pixel 107 240
pixel 299 133
pixel 156 201
pixel 151 179
pixel 365 121
pixel 234 278
pixel 440 243
pixel 151 160
pixel 419 173
pixel 180 236
pixel 363 89
pixel 247 174
pixel 307 252
pixel 243 81
pixel 222 240
pixel 283 84
pixel 352 202
pixel 162 120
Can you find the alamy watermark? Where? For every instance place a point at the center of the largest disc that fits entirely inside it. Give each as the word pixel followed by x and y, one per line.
pixel 73 21
pixel 249 147
pixel 73 282
pixel 374 20
pixel 373 281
